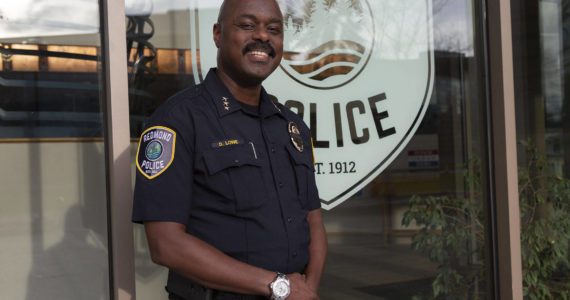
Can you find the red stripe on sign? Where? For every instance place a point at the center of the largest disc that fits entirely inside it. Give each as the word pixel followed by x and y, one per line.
pixel 422 152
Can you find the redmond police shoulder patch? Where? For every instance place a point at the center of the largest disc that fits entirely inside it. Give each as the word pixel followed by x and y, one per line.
pixel 156 151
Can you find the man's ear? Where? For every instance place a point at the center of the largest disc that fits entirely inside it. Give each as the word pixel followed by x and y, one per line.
pixel 217 32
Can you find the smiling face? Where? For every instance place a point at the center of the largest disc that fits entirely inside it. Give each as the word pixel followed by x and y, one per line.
pixel 249 37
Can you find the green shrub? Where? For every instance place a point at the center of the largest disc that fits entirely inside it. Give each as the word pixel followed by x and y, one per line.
pixel 453 232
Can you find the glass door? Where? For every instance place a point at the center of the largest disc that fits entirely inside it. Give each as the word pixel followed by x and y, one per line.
pixel 53 221
pixel 394 94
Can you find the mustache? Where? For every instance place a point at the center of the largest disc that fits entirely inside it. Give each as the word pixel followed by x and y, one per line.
pixel 261 46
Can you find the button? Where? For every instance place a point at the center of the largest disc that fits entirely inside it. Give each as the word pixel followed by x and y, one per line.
pixel 295 254
pixel 280 184
pixel 272 149
pixel 236 161
pixel 289 220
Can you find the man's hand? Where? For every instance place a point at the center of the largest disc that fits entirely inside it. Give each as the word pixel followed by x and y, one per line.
pixel 299 288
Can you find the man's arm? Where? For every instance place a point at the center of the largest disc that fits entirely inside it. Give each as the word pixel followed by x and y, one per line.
pixel 317 249
pixel 191 257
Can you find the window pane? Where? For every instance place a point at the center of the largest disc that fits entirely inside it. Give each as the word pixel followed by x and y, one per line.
pixel 393 92
pixel 53 228
pixel 158 45
pixel 541 52
pixel 419 228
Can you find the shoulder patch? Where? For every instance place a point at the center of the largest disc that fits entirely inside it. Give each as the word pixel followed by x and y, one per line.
pixel 156 151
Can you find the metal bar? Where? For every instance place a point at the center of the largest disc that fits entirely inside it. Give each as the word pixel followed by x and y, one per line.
pixel 504 148
pixel 50 140
pixel 46 53
pixel 121 252
pixel 491 251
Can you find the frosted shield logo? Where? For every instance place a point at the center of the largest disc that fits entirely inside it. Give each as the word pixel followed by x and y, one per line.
pixel 338 54
pixel 359 73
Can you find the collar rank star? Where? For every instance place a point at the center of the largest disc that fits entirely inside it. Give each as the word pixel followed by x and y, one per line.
pixel 156 151
pixel 226 103
pixel 296 136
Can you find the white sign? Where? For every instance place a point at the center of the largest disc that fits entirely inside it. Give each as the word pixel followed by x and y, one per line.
pixel 423 159
pixel 360 74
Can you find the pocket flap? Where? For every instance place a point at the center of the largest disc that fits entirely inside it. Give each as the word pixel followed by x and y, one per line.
pixel 228 157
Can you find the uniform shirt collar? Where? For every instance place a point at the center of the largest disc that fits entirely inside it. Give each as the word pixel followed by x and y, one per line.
pixel 267 107
pixel 226 103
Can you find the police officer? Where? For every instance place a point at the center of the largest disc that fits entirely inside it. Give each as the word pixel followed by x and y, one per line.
pixel 225 184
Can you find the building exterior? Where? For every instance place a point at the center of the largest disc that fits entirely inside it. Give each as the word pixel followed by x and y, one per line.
pixel 440 128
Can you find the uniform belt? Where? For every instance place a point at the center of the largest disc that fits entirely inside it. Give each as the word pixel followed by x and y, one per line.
pixel 181 288
pixel 210 294
pixel 195 294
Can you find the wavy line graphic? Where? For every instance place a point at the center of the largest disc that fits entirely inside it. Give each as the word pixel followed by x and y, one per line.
pixel 330 59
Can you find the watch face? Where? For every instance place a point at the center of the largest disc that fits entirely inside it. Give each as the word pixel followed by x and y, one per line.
pixel 281 288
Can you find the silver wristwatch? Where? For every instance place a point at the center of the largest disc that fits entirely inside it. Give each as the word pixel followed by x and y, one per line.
pixel 280 287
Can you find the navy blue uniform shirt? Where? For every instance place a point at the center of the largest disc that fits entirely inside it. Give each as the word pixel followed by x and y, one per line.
pixel 234 177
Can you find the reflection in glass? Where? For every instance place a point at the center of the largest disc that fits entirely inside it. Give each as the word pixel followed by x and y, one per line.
pixel 541 52
pixel 53 224
pixel 159 59
pixel 50 80
pixel 159 65
pixel 420 228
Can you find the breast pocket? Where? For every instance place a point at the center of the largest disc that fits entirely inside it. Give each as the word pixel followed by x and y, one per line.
pixel 244 170
pixel 304 169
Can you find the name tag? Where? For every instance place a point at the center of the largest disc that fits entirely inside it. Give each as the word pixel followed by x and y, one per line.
pixel 226 143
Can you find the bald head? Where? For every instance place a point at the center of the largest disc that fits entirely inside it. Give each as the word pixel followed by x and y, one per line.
pixel 227 5
pixel 222 13
pixel 249 37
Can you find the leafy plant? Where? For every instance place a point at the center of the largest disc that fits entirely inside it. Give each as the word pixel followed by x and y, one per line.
pixel 545 227
pixel 452 233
